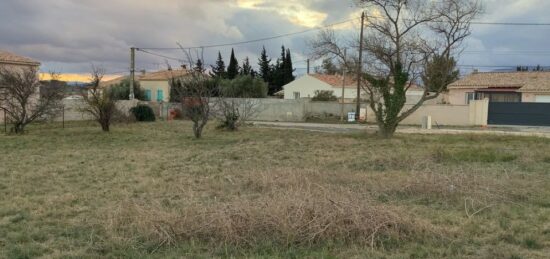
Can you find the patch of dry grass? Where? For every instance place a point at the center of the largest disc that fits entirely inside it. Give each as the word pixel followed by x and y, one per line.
pixel 152 190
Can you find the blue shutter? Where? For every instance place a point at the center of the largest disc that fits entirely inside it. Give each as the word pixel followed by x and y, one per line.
pixel 160 95
pixel 147 95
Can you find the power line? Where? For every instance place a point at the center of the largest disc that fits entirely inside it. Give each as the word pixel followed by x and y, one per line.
pixel 257 40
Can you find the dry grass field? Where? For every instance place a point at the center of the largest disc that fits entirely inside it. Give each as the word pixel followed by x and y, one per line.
pixel 152 191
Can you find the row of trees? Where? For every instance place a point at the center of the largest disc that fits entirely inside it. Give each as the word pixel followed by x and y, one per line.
pixel 276 75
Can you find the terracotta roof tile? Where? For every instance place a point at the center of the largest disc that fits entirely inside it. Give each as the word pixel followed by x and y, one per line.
pixel 164 75
pixel 336 80
pixel 10 58
pixel 526 81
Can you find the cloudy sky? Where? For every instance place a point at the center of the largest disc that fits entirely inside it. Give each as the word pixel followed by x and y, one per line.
pixel 69 35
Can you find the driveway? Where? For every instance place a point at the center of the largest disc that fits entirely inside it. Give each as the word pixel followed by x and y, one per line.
pixel 348 128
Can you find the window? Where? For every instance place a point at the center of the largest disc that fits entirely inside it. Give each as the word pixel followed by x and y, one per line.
pixel 147 95
pixel 296 95
pixel 470 97
pixel 160 95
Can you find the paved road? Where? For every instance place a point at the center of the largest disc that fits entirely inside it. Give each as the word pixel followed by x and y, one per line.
pixel 343 128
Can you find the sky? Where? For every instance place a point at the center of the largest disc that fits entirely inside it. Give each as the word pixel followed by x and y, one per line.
pixel 68 36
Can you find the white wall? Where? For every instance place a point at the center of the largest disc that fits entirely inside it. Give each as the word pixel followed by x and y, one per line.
pixel 306 86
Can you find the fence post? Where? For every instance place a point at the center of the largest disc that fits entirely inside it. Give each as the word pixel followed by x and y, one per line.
pixel 63 116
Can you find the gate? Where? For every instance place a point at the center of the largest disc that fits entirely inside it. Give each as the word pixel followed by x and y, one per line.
pixel 525 114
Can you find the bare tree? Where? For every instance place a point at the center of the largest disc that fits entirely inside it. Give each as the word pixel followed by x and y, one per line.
pixel 99 102
pixel 237 102
pixel 195 90
pixel 409 40
pixel 22 99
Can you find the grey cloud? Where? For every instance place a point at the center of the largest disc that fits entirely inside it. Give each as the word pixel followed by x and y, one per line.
pixel 68 35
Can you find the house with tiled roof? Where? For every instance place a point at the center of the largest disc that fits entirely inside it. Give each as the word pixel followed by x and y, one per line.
pixel 307 85
pixel 501 87
pixel 156 85
pixel 11 60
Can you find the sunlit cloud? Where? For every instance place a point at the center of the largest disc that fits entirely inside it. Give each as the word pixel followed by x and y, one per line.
pixel 294 11
pixel 75 77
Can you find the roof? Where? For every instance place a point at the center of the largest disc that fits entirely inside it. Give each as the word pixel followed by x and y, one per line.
pixel 336 80
pixel 164 75
pixel 115 81
pixel 525 81
pixel 10 58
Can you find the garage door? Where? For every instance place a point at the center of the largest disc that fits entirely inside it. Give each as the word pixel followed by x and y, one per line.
pixel 529 114
pixel 542 98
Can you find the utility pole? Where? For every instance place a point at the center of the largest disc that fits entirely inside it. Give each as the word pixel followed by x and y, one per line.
pixel 359 70
pixel 343 86
pixel 132 71
pixel 308 66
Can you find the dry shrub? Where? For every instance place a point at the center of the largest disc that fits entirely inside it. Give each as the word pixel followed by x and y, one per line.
pixel 303 216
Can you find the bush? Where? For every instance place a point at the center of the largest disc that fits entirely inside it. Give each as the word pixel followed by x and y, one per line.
pixel 143 113
pixel 121 91
pixel 243 87
pixel 324 96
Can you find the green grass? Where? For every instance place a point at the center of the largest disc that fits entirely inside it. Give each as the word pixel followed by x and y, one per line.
pixel 150 190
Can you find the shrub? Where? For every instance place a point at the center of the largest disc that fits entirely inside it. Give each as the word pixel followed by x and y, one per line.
pixel 324 96
pixel 243 87
pixel 143 113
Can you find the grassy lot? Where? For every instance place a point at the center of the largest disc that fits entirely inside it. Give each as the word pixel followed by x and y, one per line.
pixel 152 191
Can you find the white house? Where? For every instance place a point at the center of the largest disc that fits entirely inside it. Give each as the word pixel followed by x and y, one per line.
pixel 305 86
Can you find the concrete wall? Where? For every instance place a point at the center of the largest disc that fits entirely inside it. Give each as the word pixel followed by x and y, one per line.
pixel 72 110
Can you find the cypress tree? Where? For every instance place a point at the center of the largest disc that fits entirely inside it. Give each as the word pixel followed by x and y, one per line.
pixel 199 66
pixel 289 69
pixel 219 70
pixel 265 66
pixel 233 68
pixel 247 68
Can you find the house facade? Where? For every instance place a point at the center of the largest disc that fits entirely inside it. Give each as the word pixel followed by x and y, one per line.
pixel 307 85
pixel 11 61
pixel 156 85
pixel 501 87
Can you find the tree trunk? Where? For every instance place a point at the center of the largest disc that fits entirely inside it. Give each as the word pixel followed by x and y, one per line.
pixel 105 126
pixel 386 130
pixel 197 130
pixel 18 128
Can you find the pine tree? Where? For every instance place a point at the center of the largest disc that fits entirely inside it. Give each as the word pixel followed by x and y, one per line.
pixel 265 66
pixel 247 68
pixel 233 68
pixel 199 66
pixel 219 70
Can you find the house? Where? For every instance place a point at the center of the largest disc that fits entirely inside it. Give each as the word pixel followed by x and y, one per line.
pixel 9 60
pixel 307 85
pixel 501 87
pixel 12 61
pixel 156 85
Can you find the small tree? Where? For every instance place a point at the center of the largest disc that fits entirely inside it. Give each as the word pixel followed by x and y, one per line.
pixel 99 102
pixel 22 100
pixel 121 91
pixel 237 102
pixel 324 96
pixel 195 91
